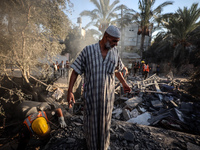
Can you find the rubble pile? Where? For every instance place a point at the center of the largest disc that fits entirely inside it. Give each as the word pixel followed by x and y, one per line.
pixel 156 115
pixel 159 103
pixel 69 138
pixel 150 117
pixel 129 136
pixel 124 136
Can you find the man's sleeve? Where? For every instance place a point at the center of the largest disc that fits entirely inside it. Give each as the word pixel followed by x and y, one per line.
pixel 120 64
pixel 79 64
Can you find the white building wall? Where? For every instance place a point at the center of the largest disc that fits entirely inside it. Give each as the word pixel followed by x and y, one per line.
pixel 131 38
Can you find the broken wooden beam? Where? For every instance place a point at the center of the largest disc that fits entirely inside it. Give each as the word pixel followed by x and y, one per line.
pixel 149 91
pixel 158 90
pixel 49 87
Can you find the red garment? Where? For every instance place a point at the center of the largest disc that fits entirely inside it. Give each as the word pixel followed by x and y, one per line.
pixel 146 68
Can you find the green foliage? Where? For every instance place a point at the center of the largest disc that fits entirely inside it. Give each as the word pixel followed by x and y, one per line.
pixel 195 60
pixel 180 33
pixel 160 51
pixel 103 14
pixel 147 17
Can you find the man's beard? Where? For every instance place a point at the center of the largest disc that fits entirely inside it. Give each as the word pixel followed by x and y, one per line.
pixel 107 45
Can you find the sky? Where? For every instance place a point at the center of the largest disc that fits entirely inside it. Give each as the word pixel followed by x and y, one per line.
pixel 81 5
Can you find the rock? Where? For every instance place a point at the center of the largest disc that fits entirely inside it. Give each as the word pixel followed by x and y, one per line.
pixel 126 114
pixel 117 112
pixel 128 136
pixel 141 119
pixel 156 104
pixel 134 101
pixel 136 147
pixel 70 140
pixel 191 146
pixel 134 113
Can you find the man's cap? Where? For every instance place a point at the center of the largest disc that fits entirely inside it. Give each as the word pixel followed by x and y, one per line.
pixel 113 31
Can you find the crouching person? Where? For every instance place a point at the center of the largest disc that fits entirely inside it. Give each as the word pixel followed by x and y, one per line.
pixel 36 121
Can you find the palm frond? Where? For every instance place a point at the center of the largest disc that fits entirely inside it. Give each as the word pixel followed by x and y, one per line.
pixel 103 14
pixel 159 8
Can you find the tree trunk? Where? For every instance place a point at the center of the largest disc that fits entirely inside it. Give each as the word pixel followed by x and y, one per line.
pixel 25 77
pixel 142 45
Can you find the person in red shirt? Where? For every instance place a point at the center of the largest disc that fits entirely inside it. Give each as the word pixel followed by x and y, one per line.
pixel 146 70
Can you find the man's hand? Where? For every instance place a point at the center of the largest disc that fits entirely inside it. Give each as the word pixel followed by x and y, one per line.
pixel 124 72
pixel 70 95
pixel 126 88
pixel 70 99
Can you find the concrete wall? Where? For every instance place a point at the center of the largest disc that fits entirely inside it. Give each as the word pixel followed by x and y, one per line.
pixel 131 38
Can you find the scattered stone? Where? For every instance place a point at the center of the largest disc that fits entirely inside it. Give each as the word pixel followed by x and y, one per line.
pixel 116 113
pixel 191 146
pixel 128 136
pixel 134 101
pixel 157 104
pixel 141 119
pixel 134 113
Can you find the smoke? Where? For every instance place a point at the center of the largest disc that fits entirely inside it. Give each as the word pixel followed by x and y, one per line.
pixel 76 41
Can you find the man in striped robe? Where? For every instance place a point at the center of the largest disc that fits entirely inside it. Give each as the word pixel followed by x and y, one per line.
pixel 100 63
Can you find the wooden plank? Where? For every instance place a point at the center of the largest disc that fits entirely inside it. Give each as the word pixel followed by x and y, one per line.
pixel 149 91
pixel 158 90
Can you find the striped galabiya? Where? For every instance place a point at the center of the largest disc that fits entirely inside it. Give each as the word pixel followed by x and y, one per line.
pixel 99 86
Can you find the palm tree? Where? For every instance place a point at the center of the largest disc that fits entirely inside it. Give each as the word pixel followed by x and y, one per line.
pixel 125 17
pixel 146 17
pixel 102 16
pixel 195 78
pixel 181 29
